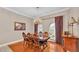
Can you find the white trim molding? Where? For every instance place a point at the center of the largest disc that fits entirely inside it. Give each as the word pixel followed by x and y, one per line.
pixel 28 17
pixel 10 43
pixel 61 12
pixel 42 16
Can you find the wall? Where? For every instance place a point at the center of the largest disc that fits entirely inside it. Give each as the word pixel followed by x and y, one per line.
pixel 48 21
pixel 46 24
pixel 72 12
pixel 7 19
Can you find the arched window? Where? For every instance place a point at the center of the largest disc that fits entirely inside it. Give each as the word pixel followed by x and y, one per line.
pixel 40 28
pixel 52 32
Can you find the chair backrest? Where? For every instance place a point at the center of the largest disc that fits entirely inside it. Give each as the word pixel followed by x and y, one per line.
pixel 45 34
pixel 40 34
pixel 35 37
pixel 24 35
pixel 28 34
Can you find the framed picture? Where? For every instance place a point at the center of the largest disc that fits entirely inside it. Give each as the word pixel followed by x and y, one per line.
pixel 19 26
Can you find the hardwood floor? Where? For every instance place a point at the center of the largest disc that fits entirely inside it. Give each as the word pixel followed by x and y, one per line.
pixel 52 47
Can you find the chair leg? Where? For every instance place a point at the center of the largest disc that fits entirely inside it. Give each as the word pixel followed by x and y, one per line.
pixel 45 45
pixel 25 44
pixel 31 45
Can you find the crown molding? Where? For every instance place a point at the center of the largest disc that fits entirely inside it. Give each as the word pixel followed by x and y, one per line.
pixel 17 12
pixel 55 12
pixel 42 16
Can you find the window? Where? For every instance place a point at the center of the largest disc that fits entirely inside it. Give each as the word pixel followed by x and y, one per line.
pixel 52 31
pixel 40 28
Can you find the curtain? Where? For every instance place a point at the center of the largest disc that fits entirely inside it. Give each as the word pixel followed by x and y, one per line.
pixel 35 28
pixel 59 29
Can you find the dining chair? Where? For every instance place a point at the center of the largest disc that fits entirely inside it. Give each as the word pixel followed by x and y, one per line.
pixel 25 43
pixel 44 41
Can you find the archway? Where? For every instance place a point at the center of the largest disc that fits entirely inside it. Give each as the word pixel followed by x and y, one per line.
pixel 52 32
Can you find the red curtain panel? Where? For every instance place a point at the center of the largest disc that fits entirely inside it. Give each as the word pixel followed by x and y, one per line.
pixel 59 28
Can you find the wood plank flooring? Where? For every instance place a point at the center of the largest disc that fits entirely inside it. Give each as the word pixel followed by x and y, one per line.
pixel 52 47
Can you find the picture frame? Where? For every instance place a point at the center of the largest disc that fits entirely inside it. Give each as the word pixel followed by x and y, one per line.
pixel 19 26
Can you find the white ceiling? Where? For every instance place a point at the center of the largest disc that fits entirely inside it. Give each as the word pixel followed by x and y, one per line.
pixel 34 11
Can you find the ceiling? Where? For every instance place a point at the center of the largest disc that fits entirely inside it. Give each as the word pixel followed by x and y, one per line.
pixel 33 12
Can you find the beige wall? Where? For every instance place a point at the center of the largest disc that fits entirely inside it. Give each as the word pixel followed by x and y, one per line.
pixel 47 22
pixel 74 12
pixel 7 19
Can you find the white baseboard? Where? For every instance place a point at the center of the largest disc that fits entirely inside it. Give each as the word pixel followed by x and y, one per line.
pixel 10 43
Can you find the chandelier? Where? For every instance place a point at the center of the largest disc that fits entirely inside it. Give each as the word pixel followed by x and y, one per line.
pixel 37 20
